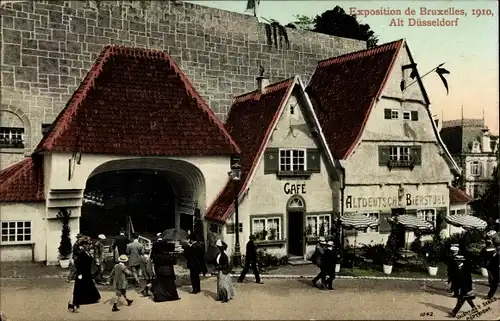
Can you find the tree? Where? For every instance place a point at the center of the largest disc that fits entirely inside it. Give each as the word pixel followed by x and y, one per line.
pixel 198 229
pixel 65 244
pixel 302 23
pixel 487 206
pixel 337 22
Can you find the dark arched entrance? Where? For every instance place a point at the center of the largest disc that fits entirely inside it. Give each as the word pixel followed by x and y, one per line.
pixel 296 210
pixel 115 200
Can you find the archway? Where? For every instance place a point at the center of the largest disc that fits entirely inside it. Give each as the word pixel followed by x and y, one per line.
pixel 296 210
pixel 145 196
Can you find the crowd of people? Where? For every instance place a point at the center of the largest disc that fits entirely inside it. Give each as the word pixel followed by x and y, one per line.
pixel 157 268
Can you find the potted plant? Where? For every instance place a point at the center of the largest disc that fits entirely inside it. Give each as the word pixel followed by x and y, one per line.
pixel 432 253
pixel 272 234
pixel 65 244
pixel 389 257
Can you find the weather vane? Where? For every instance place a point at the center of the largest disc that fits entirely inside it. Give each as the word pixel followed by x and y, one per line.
pixel 261 71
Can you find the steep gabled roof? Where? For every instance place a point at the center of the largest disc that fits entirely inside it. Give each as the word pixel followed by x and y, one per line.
pixel 457 196
pixel 137 102
pixel 250 122
pixel 343 91
pixel 23 181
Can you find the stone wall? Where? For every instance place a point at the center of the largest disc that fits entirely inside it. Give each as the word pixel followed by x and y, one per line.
pixel 49 46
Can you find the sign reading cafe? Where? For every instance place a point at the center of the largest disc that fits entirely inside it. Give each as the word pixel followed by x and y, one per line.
pixel 393 201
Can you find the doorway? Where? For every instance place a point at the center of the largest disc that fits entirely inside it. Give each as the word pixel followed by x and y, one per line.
pixel 296 233
pixel 295 229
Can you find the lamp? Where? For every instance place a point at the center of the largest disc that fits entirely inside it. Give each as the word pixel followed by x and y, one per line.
pixel 235 176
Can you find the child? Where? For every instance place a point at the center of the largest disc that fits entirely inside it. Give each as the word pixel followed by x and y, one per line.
pixel 147 270
pixel 119 275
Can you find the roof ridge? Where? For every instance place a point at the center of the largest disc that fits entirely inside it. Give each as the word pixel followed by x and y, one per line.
pixel 88 82
pixel 360 54
pixel 269 89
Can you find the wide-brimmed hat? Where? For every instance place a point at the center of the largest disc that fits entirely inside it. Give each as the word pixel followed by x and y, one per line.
pixel 101 236
pixel 123 258
pixel 322 240
pixel 454 248
pixel 330 243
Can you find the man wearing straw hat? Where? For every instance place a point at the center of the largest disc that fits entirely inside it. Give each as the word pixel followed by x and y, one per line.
pixel 119 276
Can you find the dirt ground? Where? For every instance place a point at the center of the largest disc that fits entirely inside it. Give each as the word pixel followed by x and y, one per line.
pixel 46 299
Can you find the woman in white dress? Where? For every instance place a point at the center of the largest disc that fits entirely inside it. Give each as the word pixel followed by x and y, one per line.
pixel 225 288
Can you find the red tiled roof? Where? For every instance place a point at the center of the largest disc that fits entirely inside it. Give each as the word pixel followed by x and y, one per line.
pixel 343 91
pixel 249 122
pixel 137 102
pixel 457 196
pixel 23 181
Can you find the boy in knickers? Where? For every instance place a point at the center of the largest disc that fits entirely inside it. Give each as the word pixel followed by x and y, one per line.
pixel 119 275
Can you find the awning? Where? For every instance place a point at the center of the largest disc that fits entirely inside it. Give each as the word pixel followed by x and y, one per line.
pixel 411 222
pixel 467 222
pixel 358 222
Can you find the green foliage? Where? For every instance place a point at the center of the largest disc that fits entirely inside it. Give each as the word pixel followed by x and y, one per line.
pixel 276 34
pixel 337 22
pixel 268 261
pixel 65 244
pixel 302 22
pixel 374 252
pixel 198 229
pixel 486 207
pixel 434 250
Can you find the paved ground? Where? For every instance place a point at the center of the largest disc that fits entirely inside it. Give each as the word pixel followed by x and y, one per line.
pixel 45 299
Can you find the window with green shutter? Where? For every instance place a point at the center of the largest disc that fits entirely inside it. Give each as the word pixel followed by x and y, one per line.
pixel 383 155
pixel 416 153
pixel 385 226
pixel 313 160
pixel 414 115
pixel 387 113
pixel 271 161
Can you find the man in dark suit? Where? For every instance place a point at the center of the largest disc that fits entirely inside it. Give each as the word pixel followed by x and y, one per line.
pixel 196 263
pixel 119 246
pixel 250 260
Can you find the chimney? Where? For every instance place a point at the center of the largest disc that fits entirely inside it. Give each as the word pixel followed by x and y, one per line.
pixel 262 80
pixel 262 83
pixel 486 141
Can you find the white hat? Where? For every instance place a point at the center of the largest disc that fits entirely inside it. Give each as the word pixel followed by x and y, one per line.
pixel 158 234
pixel 218 243
pixel 454 249
pixel 123 258
pixel 101 237
pixel 330 243
pixel 322 239
pixel 491 233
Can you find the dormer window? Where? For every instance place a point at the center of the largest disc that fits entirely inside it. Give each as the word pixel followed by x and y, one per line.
pixel 476 148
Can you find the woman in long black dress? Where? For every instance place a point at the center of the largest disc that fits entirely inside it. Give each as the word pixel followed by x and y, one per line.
pixel 163 287
pixel 84 291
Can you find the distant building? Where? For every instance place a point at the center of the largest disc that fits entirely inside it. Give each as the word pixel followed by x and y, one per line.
pixel 474 149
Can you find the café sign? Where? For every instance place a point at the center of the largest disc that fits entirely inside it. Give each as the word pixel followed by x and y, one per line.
pixel 393 201
pixel 289 188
